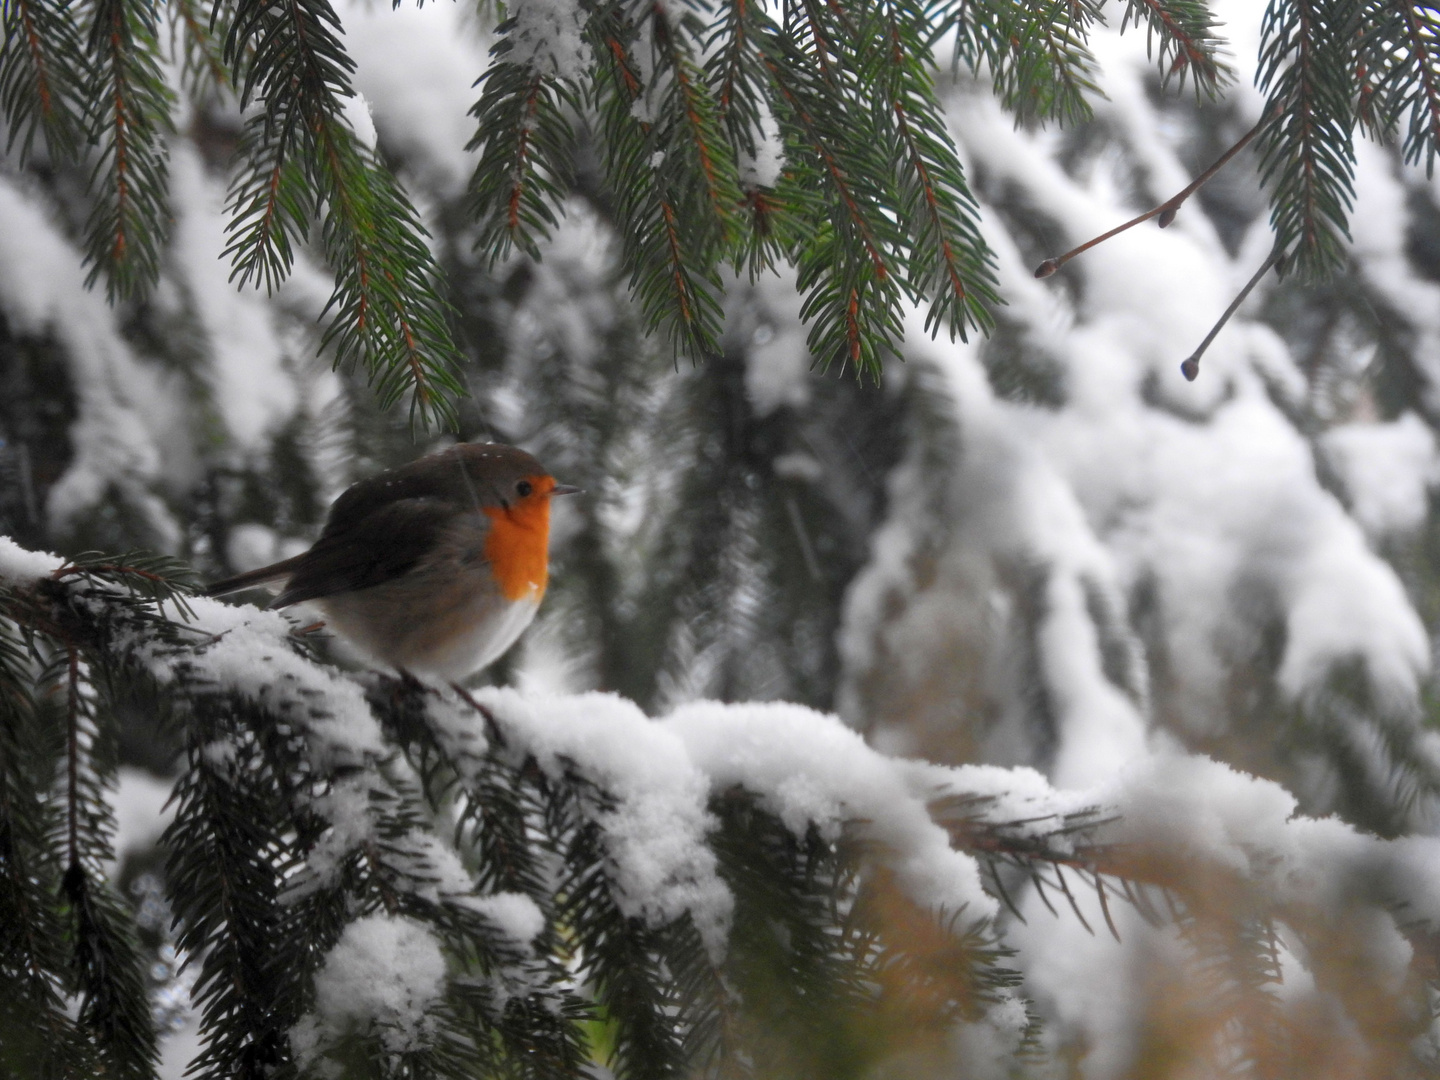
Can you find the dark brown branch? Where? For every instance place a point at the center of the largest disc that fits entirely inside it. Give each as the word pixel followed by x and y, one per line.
pixel 1191 367
pixel 73 756
pixel 1166 210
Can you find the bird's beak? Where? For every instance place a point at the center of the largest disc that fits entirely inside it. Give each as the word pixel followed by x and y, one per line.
pixel 566 489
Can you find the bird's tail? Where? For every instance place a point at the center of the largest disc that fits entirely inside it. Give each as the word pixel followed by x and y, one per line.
pixel 254 578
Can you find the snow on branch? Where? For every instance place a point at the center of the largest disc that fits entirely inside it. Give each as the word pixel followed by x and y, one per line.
pixel 513 861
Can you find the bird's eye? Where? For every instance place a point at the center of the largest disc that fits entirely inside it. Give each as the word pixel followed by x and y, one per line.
pixel 523 488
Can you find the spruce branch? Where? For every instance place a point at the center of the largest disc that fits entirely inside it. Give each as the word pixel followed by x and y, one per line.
pixel 524 171
pixel 1307 153
pixel 127 120
pixel 197 43
pixel 35 961
pixel 1184 31
pixel 673 263
pixel 108 973
pixel 735 71
pixel 692 121
pixel 271 203
pixel 1036 53
pixel 853 294
pixel 386 313
pixel 43 77
pixel 949 262
pixel 1399 63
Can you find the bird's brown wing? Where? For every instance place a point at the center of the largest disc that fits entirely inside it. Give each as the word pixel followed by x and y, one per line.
pixel 253 579
pixel 439 476
pixel 361 551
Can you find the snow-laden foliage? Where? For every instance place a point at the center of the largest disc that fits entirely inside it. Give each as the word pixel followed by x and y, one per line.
pixel 1118 645
pixel 371 867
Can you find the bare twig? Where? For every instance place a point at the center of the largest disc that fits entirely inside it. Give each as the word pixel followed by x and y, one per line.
pixel 1191 366
pixel 1166 210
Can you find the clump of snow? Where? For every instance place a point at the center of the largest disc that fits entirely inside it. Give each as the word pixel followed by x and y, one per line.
pixel 549 36
pixel 517 916
pixel 655 832
pixel 19 566
pixel 358 118
pixel 764 166
pixel 384 975
pixel 346 806
pixel 808 768
pixel 248 652
pixel 415 67
pixel 1387 470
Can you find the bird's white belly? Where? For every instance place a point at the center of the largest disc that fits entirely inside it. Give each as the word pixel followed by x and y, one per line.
pixel 428 625
pixel 485 642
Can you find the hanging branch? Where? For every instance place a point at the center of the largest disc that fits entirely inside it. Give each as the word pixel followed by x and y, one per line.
pixel 1307 70
pixel 671 254
pixel 43 75
pixel 848 269
pixel 1036 55
pixel 1399 61
pixel 1188 44
pixel 949 261
pixel 387 314
pixel 525 141
pixel 197 41
pixel 129 221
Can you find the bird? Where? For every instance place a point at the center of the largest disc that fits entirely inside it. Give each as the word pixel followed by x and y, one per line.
pixel 434 568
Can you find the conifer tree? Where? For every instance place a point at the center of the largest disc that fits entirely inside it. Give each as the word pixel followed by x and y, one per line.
pixel 328 822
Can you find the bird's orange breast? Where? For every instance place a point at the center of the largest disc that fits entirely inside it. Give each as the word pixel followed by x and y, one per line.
pixel 518 548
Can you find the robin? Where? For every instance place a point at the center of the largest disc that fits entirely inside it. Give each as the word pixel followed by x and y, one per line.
pixel 433 568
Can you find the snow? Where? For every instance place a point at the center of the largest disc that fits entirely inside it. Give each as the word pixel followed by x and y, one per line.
pixel 415 66
pixel 549 37
pixel 19 566
pixel 385 975
pixel 141 813
pixel 357 116
pixel 1386 470
pixel 517 916
pixel 655 831
pixel 121 402
pixel 808 769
